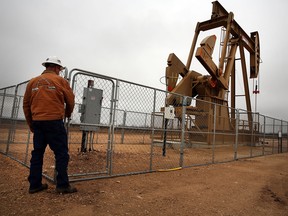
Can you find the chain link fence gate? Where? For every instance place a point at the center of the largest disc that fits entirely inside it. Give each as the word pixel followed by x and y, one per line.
pixel 6 99
pixel 15 138
pixel 122 142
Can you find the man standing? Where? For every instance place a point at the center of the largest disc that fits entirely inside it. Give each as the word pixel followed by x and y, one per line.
pixel 47 101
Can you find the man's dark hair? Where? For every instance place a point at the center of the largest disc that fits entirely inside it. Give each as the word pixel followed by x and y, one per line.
pixel 49 65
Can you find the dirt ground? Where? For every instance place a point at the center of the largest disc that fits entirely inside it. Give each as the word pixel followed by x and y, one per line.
pixel 257 186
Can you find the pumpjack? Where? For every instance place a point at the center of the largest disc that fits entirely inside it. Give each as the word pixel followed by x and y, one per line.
pixel 213 88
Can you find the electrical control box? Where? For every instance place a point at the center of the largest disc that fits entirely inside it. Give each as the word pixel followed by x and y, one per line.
pixel 90 108
pixel 169 112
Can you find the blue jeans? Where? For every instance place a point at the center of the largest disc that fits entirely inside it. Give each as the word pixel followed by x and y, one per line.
pixel 52 133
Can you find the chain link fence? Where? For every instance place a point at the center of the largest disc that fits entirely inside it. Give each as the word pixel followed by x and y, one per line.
pixel 121 128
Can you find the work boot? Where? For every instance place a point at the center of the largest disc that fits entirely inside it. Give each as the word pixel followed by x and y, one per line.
pixel 35 190
pixel 66 190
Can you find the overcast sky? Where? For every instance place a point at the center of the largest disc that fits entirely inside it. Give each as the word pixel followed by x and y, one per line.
pixel 131 40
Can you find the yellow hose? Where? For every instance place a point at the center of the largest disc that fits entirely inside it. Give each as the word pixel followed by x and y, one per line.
pixel 168 170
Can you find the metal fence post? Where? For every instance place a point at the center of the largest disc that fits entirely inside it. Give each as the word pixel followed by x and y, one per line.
pixel 1 111
pixel 286 138
pixel 182 131
pixel 153 130
pixel 114 102
pixel 214 134
pixel 2 105
pixel 237 134
pixel 281 138
pixel 264 131
pixel 253 128
pixel 273 142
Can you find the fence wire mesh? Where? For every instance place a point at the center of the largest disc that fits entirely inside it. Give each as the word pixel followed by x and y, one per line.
pixel 121 128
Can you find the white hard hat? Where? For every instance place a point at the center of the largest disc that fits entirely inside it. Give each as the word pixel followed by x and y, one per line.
pixel 53 60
